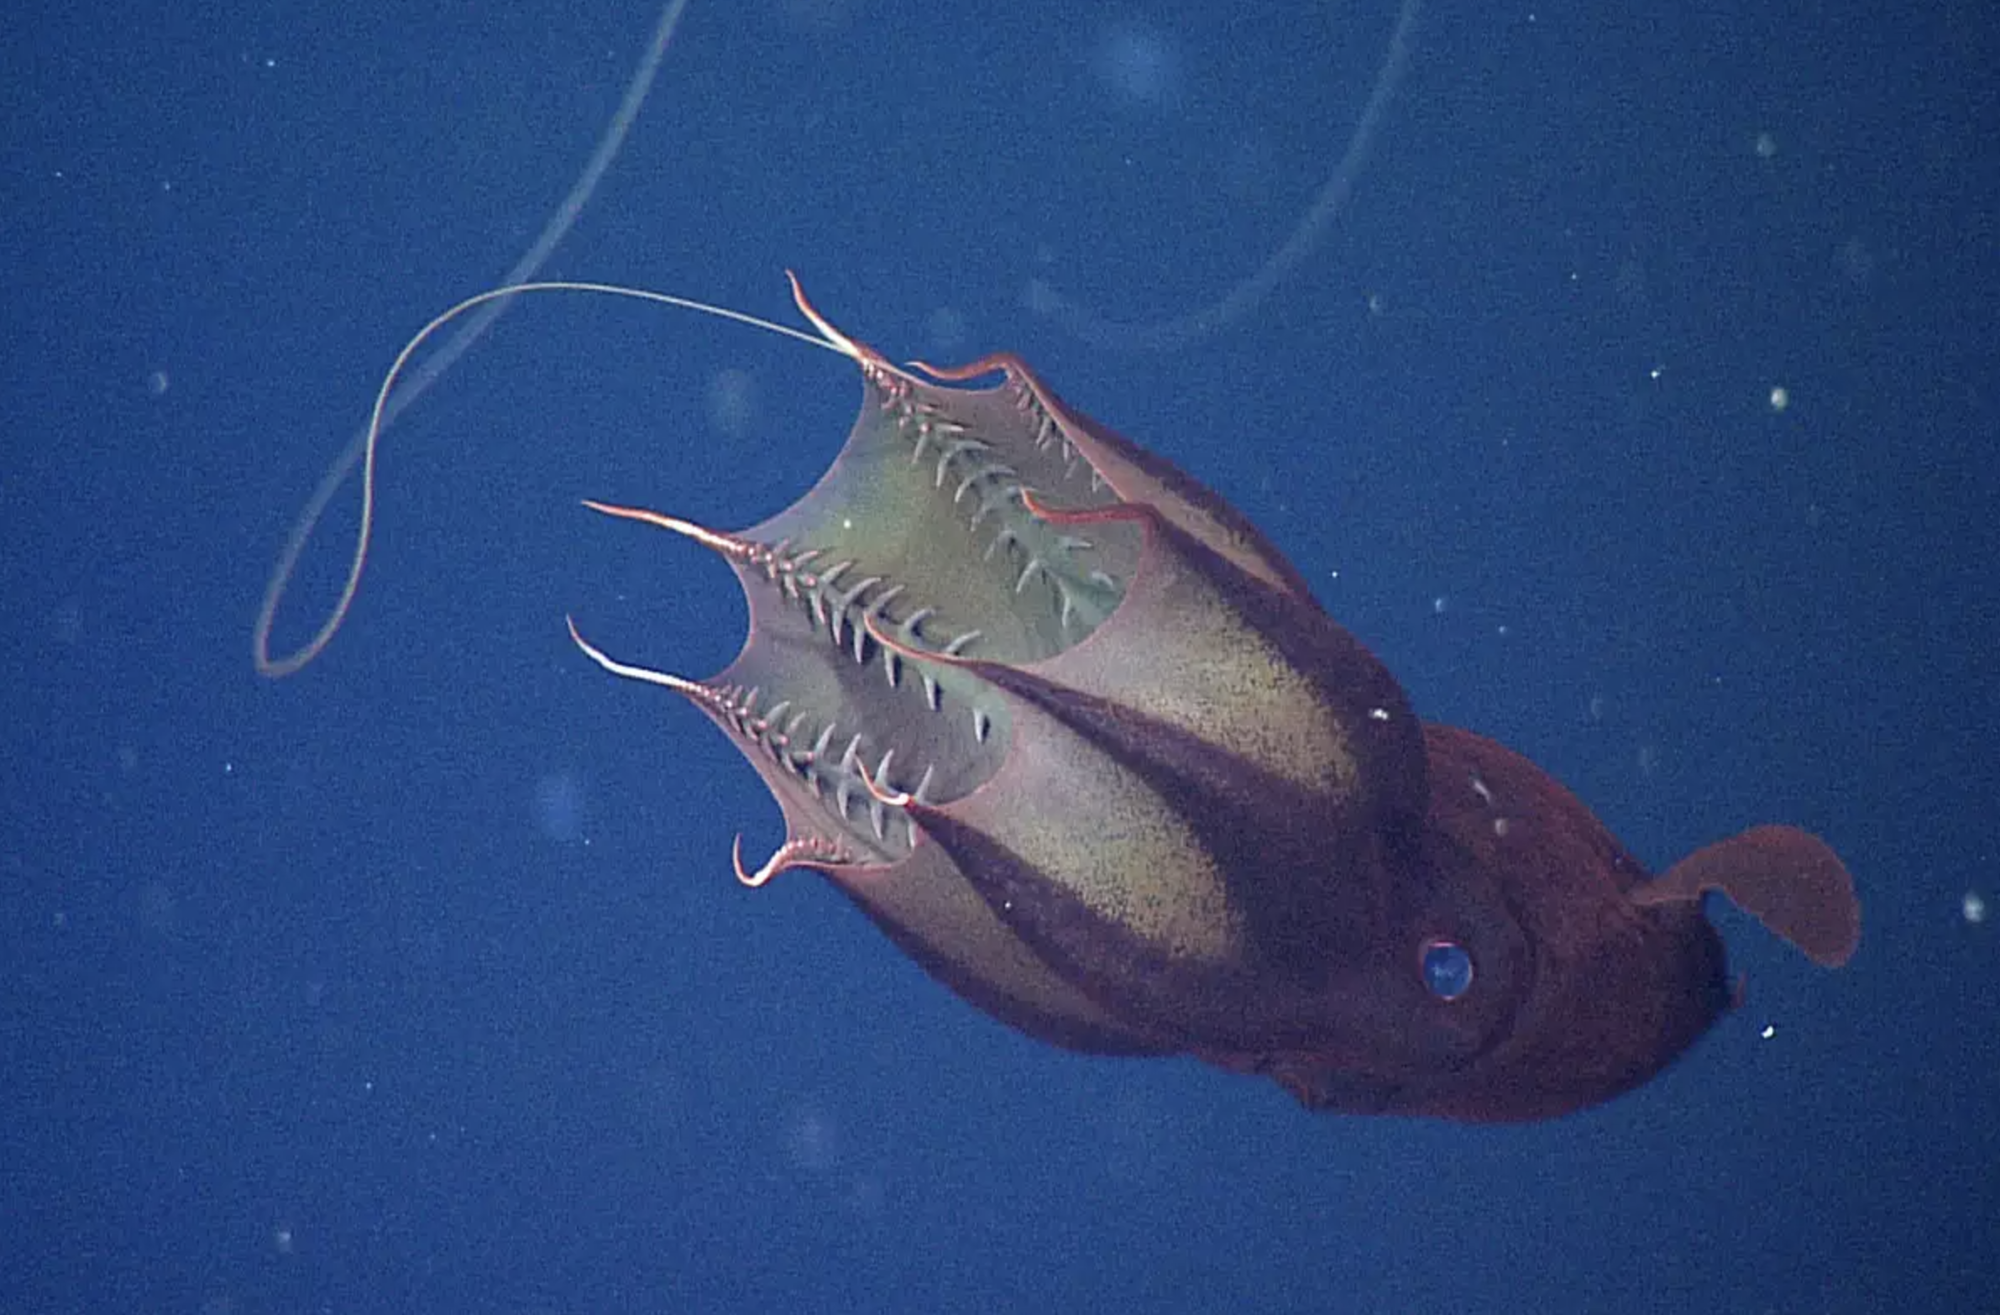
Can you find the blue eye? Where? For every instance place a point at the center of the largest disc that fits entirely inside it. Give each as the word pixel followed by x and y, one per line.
pixel 1447 968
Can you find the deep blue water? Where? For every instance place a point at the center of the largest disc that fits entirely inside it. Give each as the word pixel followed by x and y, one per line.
pixel 418 982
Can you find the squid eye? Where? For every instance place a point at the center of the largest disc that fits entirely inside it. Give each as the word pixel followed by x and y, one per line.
pixel 1446 967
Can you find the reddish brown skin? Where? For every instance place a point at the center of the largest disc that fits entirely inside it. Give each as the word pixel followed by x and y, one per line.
pixel 1211 823
pixel 1617 992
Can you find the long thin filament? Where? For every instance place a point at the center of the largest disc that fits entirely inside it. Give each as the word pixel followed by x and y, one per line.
pixel 389 405
pixel 1192 326
pixel 371 436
